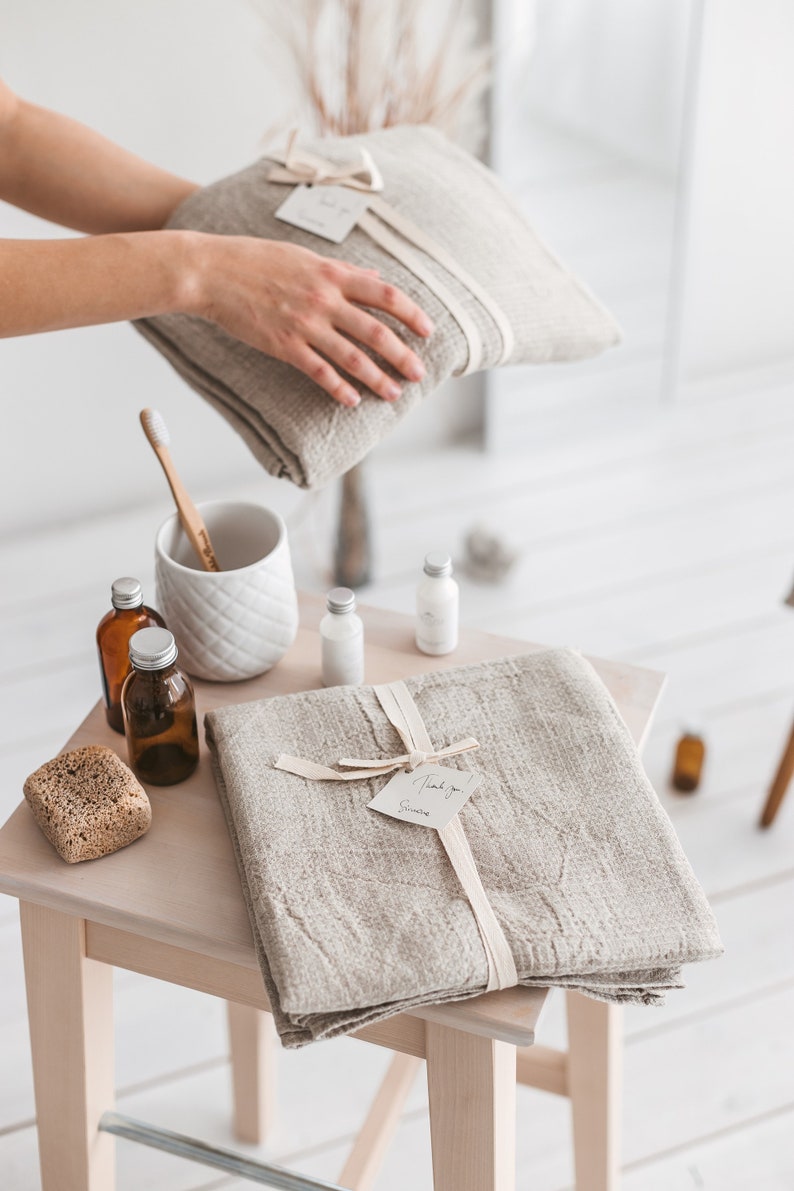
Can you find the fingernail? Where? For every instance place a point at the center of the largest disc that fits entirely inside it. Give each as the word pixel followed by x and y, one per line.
pixel 416 371
pixel 425 325
pixel 393 391
pixel 353 398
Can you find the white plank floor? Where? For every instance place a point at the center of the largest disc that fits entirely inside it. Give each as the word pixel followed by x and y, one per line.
pixel 666 540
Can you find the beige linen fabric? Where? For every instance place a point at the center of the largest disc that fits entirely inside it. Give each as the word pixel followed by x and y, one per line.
pixel 293 428
pixel 357 916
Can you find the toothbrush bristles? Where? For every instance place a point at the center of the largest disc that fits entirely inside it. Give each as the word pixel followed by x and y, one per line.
pixel 154 424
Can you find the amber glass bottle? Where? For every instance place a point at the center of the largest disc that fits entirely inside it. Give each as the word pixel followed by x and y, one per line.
pixel 690 754
pixel 159 711
pixel 128 614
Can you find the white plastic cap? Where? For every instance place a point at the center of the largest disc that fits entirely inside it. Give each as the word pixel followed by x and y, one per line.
pixel 341 599
pixel 438 563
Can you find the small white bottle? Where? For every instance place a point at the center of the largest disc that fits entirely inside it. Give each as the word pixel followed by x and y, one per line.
pixel 342 636
pixel 437 606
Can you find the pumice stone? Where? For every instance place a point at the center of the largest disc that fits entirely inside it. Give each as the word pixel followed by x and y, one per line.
pixel 88 803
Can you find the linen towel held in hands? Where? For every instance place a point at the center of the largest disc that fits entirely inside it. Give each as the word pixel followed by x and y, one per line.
pixel 357 916
pixel 520 304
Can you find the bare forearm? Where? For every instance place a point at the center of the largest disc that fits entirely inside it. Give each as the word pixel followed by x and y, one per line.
pixel 57 168
pixel 48 285
pixel 277 297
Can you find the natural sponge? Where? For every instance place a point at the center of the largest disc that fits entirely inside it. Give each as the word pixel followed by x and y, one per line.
pixel 88 803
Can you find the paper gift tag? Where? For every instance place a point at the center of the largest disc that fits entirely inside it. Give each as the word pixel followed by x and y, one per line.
pixel 329 211
pixel 430 795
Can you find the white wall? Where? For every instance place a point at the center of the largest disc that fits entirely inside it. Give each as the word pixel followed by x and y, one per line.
pixel 181 82
pixel 736 250
pixel 587 127
pixel 186 83
pixel 612 70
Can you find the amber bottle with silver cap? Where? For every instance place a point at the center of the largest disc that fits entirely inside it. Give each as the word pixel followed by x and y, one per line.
pixel 159 711
pixel 437 606
pixel 128 614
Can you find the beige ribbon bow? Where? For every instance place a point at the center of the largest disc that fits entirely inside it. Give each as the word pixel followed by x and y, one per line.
pixel 404 715
pixel 299 167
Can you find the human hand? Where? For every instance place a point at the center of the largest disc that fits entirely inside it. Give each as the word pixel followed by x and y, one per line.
pixel 293 304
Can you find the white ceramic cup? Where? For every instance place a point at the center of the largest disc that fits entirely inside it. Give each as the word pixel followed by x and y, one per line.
pixel 237 622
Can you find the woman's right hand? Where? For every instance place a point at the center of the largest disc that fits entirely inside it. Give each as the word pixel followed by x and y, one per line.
pixel 305 309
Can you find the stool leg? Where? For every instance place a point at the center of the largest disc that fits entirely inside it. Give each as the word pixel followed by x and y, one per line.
pixel 472 1087
pixel 594 1086
pixel 253 1043
pixel 375 1135
pixel 70 1010
pixel 780 784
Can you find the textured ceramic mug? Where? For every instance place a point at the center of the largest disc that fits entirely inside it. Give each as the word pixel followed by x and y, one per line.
pixel 237 622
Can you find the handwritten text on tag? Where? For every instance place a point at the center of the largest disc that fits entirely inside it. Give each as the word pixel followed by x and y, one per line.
pixel 329 211
pixel 430 795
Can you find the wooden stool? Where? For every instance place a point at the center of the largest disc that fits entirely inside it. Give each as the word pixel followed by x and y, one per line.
pixel 780 784
pixel 187 923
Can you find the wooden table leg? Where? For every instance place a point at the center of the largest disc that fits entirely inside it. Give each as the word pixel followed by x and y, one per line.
pixel 594 1086
pixel 373 1140
pixel 472 1087
pixel 779 786
pixel 253 1043
pixel 70 1009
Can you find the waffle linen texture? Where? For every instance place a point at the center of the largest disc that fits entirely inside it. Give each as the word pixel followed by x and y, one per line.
pixel 357 916
pixel 292 426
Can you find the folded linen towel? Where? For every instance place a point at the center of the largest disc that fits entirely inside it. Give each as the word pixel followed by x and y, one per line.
pixel 295 429
pixel 357 916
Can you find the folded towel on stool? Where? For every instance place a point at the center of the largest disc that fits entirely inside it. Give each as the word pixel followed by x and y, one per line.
pixel 292 426
pixel 357 916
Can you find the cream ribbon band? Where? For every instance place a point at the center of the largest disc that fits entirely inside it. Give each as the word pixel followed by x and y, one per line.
pixel 404 715
pixel 299 167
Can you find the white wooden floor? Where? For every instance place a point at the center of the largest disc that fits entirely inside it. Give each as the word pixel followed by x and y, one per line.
pixel 670 542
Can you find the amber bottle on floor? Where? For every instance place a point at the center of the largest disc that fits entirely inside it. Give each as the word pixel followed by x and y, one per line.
pixel 128 614
pixel 159 711
pixel 688 765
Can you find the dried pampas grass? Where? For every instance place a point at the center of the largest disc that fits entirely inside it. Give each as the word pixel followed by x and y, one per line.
pixel 357 65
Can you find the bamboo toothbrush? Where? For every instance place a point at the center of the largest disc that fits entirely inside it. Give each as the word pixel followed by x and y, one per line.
pixel 156 431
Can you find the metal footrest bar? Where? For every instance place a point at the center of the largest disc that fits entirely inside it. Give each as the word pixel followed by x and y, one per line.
pixel 199 1151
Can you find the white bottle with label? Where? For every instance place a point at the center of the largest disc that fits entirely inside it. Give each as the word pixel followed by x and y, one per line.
pixel 437 606
pixel 342 637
